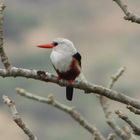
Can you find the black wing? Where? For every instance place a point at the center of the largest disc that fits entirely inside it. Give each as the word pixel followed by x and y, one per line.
pixel 78 57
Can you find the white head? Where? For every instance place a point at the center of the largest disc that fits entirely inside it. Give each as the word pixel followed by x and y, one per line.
pixel 61 45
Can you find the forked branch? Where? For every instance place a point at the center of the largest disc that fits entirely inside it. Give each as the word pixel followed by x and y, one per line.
pixel 128 15
pixel 69 110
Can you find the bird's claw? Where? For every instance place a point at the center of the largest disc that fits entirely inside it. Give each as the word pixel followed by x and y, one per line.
pixel 69 82
pixel 41 73
pixel 58 78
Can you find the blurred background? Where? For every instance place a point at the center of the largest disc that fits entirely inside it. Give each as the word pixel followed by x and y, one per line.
pixel 105 41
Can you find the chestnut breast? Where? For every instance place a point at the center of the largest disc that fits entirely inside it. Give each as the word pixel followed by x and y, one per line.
pixel 72 72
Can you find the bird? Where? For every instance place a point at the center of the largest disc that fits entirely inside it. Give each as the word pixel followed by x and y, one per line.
pixel 66 61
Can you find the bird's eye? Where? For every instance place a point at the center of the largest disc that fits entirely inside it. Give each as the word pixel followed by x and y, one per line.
pixel 55 43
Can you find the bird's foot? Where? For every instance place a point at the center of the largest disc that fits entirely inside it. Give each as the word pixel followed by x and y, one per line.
pixel 58 78
pixel 69 82
pixel 41 73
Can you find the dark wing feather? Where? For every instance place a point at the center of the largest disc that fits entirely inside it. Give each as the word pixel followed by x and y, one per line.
pixel 78 57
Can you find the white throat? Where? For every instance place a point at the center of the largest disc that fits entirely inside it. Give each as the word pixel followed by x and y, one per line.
pixel 61 61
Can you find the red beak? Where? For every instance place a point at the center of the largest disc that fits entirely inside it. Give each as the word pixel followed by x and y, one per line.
pixel 49 45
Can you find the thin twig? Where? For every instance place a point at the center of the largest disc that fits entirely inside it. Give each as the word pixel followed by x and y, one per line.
pixel 105 103
pixel 85 86
pixel 128 15
pixel 136 130
pixel 111 136
pixel 17 118
pixel 129 133
pixel 115 77
pixel 69 110
pixel 134 110
pixel 3 55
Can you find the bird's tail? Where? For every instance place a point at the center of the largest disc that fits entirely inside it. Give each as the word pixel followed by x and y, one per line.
pixel 69 93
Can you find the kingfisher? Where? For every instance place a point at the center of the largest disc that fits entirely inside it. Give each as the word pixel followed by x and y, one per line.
pixel 66 61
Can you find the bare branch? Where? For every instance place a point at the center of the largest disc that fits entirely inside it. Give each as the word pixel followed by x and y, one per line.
pixel 128 15
pixel 3 55
pixel 17 118
pixel 136 130
pixel 111 136
pixel 134 110
pixel 85 86
pixel 105 103
pixel 129 133
pixel 69 110
pixel 116 76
